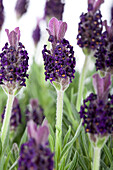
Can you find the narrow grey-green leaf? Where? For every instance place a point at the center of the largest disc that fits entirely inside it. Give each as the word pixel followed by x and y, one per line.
pixel 67 136
pixel 108 153
pixel 69 144
pixel 24 138
pixel 74 162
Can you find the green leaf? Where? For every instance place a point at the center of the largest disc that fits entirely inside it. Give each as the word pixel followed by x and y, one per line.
pixel 101 142
pixel 7 161
pixel 56 85
pixel 85 142
pixel 82 162
pixel 67 136
pixel 51 142
pixel 0 147
pixel 104 165
pixel 52 133
pixel 75 113
pixel 69 144
pixel 23 139
pixel 62 165
pixel 74 162
pixel 108 153
pixel 14 164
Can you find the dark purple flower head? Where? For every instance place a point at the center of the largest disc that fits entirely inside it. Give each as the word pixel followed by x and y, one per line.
pixel 21 7
pixel 59 61
pixel 112 12
pixel 90 26
pixel 1 14
pixel 54 8
pixel 36 34
pixel 15 119
pixel 97 109
pixel 104 53
pixel 35 154
pixel 13 63
pixel 35 112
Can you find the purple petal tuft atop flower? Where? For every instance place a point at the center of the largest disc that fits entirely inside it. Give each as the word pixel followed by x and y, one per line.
pixel 102 86
pixel 13 37
pixel 21 7
pixel 39 134
pixel 57 28
pixel 13 63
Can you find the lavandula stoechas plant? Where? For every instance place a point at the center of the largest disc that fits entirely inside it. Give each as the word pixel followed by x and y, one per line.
pixel 36 34
pixel 104 53
pixel 13 68
pixel 1 14
pixel 97 115
pixel 35 112
pixel 35 153
pixel 54 8
pixel 88 38
pixel 21 7
pixel 59 64
pixel 15 119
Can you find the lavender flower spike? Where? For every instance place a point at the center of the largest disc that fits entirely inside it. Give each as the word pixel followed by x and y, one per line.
pixel 35 112
pixel 90 26
pixel 15 119
pixel 1 14
pixel 21 7
pixel 97 109
pixel 104 53
pixel 36 151
pixel 54 8
pixel 36 33
pixel 13 63
pixel 59 61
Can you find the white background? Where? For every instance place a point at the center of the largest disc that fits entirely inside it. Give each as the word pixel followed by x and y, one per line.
pixel 27 23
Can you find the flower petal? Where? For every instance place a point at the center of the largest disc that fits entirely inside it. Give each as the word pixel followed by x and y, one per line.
pixel 39 134
pixel 54 26
pixel 13 37
pixel 62 30
pixel 102 85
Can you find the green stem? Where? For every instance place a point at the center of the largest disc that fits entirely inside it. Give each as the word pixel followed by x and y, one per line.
pixel 81 83
pixel 96 159
pixel 59 113
pixel 7 116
